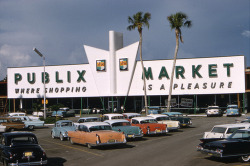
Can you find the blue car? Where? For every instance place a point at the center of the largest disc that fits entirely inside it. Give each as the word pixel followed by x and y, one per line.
pixel 184 121
pixel 154 110
pixel 232 110
pixel 59 113
pixel 61 129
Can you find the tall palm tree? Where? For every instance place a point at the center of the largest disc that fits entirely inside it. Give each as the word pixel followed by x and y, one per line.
pixel 139 21
pixel 177 21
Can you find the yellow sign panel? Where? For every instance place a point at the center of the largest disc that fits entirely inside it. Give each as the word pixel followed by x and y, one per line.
pixel 45 102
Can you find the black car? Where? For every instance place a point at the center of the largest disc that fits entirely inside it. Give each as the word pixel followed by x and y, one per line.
pixel 21 148
pixel 236 145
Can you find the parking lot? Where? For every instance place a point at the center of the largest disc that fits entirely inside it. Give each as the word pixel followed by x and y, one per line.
pixel 175 148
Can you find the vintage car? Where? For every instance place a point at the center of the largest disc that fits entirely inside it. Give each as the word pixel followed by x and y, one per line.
pixel 21 148
pixel 12 123
pixel 94 134
pixel 154 110
pixel 214 111
pixel 29 123
pixel 61 129
pixel 232 110
pixel 112 116
pixel 149 125
pixel 184 121
pixel 122 125
pixel 225 130
pixel 11 114
pixel 86 119
pixel 236 145
pixel 164 119
pixel 129 116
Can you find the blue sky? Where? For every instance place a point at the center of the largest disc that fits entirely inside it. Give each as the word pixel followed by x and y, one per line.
pixel 60 28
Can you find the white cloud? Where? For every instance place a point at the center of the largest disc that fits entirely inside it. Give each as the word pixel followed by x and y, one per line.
pixel 246 33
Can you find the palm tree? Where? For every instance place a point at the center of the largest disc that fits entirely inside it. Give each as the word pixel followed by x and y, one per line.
pixel 177 21
pixel 139 21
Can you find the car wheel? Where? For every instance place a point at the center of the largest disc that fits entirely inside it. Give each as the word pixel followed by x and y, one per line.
pixel 61 137
pixel 31 127
pixel 89 146
pixel 245 158
pixel 53 135
pixel 71 141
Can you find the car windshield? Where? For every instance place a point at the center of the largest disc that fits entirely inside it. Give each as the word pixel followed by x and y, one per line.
pixel 232 106
pixel 16 120
pixel 148 121
pixel 23 140
pixel 231 130
pixel 162 118
pixel 240 134
pixel 63 124
pixel 90 120
pixel 96 128
pixel 219 130
pixel 120 124
pixel 117 117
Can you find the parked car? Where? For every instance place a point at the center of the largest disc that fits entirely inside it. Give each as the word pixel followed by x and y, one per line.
pixel 21 148
pixel 154 110
pixel 112 116
pixel 214 111
pixel 122 125
pixel 61 129
pixel 58 113
pixel 12 114
pixel 236 145
pixel 225 130
pixel 29 123
pixel 69 113
pixel 232 110
pixel 164 119
pixel 86 119
pixel 149 125
pixel 129 116
pixel 184 121
pixel 12 123
pixel 95 134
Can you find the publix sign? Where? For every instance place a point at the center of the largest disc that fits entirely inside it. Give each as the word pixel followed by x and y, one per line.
pixel 217 75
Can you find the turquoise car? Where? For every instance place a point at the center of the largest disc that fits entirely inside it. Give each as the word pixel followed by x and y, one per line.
pixel 232 110
pixel 154 110
pixel 122 125
pixel 184 121
pixel 61 129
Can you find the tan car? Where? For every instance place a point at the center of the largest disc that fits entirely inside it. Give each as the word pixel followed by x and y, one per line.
pixel 12 123
pixel 172 125
pixel 96 134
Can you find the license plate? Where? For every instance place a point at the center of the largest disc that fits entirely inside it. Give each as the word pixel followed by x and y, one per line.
pixel 130 136
pixel 27 154
pixel 210 154
pixel 158 131
pixel 169 125
pixel 111 141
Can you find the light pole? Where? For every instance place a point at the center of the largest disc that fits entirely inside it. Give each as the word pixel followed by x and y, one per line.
pixel 44 92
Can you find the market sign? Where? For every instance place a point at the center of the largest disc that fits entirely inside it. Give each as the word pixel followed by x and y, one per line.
pixel 215 75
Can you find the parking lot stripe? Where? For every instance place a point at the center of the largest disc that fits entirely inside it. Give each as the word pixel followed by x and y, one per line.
pixel 74 148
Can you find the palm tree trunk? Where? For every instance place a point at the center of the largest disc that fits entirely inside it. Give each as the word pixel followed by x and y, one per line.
pixel 173 68
pixel 144 78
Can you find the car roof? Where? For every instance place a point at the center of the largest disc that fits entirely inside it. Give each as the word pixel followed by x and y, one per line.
pixel 157 115
pixel 142 118
pixel 131 113
pixel 17 133
pixel 115 121
pixel 90 124
pixel 91 117
pixel 234 125
pixel 112 115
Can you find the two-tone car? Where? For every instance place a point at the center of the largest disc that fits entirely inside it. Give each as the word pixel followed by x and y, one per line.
pixel 96 134
pixel 236 145
pixel 61 129
pixel 29 123
pixel 112 116
pixel 130 115
pixel 149 125
pixel 184 121
pixel 122 125
pixel 164 119
pixel 86 119
pixel 21 148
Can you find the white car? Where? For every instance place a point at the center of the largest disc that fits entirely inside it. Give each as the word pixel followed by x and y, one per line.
pixel 129 116
pixel 214 111
pixel 86 119
pixel 112 116
pixel 225 130
pixel 164 119
pixel 12 114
